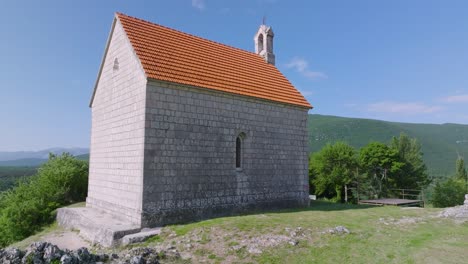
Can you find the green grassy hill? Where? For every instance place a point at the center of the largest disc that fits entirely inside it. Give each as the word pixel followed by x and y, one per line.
pixel 440 143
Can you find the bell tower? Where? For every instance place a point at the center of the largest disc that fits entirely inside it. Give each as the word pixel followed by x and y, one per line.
pixel 264 43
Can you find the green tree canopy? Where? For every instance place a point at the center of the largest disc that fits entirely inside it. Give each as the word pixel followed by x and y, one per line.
pixel 332 168
pixel 381 165
pixel 413 173
pixel 460 171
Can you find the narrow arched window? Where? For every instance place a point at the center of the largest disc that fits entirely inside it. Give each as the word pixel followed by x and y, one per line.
pixel 238 152
pixel 260 43
pixel 116 64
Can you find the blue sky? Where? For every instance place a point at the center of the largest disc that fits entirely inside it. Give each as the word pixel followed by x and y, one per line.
pixel 395 60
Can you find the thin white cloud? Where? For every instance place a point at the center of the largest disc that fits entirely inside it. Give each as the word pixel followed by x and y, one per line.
pixel 298 63
pixel 461 98
pixel 198 4
pixel 402 108
pixel 302 66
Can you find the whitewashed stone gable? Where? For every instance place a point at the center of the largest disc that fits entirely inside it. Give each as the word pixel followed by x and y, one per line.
pixel 118 130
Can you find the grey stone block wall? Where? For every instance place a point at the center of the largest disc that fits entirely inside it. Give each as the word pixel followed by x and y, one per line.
pixel 190 148
pixel 117 133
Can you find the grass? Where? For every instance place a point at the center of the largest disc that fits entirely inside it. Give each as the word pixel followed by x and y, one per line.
pixel 376 235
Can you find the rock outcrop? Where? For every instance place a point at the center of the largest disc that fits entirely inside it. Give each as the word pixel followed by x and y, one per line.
pixel 457 212
pixel 44 253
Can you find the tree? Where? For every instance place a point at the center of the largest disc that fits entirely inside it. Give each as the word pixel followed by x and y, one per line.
pixel 413 174
pixel 332 168
pixel 381 165
pixel 460 172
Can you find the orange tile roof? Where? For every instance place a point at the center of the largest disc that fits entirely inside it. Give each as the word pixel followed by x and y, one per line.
pixel 170 55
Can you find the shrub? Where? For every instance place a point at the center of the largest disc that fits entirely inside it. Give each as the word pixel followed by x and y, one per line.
pixel 448 193
pixel 27 207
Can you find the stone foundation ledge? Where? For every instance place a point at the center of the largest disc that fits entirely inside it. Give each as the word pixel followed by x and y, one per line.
pixel 97 226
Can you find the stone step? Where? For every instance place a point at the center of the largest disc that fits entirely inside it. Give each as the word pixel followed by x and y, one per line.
pixel 143 235
pixel 95 225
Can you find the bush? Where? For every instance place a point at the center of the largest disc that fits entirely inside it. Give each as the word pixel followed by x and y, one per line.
pixel 448 193
pixel 29 206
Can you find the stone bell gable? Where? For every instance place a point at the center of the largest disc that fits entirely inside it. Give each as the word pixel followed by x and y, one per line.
pixel 264 43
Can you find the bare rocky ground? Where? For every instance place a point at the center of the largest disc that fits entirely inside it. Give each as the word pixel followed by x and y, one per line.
pixel 216 244
pixel 66 239
pixel 402 221
pixel 459 213
pixel 203 245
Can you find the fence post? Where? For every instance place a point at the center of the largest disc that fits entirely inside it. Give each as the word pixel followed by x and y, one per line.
pixel 346 193
pixel 357 190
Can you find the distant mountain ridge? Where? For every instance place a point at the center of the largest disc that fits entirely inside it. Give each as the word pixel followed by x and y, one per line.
pixel 41 154
pixel 441 144
pixel 32 162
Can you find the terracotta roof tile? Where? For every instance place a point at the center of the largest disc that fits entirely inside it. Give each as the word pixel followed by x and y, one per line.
pixel 170 55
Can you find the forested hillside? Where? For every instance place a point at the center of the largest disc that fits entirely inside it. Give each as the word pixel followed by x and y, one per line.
pixel 441 144
pixel 14 170
pixel 9 176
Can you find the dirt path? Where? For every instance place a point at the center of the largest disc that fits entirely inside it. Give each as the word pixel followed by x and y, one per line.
pixel 66 240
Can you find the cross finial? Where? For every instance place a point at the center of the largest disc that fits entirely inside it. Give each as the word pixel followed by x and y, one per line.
pixel 264 20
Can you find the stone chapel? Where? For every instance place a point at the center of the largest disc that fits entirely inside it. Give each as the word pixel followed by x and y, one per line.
pixel 185 128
